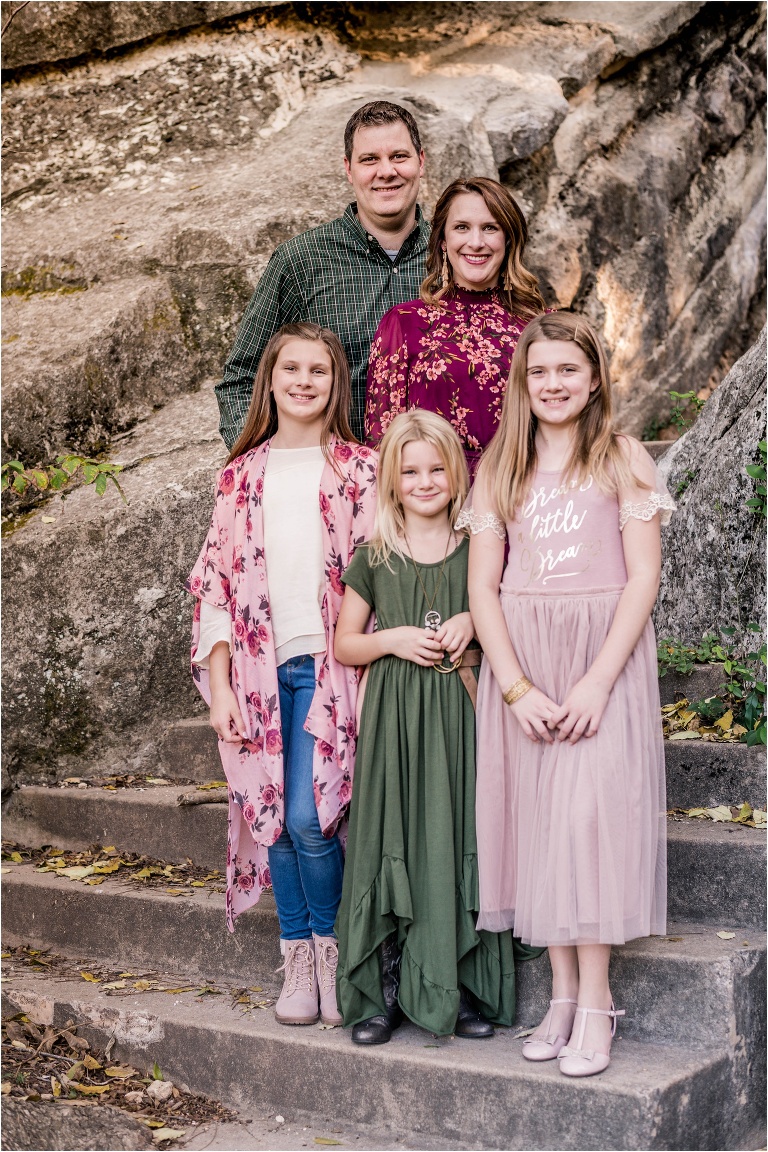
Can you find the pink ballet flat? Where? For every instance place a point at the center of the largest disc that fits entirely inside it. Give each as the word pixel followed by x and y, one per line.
pixel 549 1047
pixel 586 1062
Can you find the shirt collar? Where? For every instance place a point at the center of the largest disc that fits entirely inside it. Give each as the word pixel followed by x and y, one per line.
pixel 416 239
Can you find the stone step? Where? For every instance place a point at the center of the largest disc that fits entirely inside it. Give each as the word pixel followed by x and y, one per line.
pixel 700 773
pixel 704 773
pixel 689 986
pixel 716 871
pixel 654 1096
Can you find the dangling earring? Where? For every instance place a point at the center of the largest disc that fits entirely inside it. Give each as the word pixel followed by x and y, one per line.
pixel 506 280
pixel 444 270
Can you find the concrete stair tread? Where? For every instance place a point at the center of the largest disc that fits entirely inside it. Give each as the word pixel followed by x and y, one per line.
pixel 689 983
pixel 700 773
pixel 684 941
pixel 410 1041
pixel 165 795
pixel 716 871
pixel 162 799
pixel 514 1105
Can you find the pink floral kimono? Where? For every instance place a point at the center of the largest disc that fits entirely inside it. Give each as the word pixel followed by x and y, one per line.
pixel 231 573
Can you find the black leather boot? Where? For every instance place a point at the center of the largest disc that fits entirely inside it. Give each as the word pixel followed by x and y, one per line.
pixel 379 1029
pixel 470 1023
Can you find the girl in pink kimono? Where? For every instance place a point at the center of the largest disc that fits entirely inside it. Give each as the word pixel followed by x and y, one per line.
pixel 294 500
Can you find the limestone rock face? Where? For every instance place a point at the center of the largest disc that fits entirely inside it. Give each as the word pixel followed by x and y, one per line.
pixel 713 570
pixel 631 133
pixel 50 31
pixel 96 659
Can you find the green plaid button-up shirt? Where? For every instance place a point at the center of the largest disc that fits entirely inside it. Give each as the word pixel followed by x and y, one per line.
pixel 337 275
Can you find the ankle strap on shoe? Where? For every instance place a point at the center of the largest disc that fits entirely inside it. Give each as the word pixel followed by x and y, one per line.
pixel 612 1012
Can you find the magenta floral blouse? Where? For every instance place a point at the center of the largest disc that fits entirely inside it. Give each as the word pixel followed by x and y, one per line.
pixel 452 358
pixel 231 573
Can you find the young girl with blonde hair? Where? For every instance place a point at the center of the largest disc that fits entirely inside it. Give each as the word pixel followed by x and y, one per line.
pixel 406 925
pixel 571 798
pixel 295 498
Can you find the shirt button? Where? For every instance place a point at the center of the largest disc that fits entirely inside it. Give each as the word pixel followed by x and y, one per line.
pixel 395 270
pixel 370 237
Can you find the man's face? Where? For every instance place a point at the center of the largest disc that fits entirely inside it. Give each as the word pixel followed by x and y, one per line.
pixel 384 171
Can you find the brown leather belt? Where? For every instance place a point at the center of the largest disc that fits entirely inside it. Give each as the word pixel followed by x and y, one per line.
pixel 471 659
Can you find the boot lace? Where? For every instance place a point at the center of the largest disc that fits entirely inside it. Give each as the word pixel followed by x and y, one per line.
pixel 327 961
pixel 299 966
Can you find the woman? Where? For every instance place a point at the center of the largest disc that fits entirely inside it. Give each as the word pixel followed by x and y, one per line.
pixel 450 350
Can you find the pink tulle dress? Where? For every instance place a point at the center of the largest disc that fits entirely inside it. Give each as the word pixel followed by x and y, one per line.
pixel 571 838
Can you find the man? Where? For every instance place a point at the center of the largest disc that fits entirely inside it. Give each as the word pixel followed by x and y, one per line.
pixel 345 274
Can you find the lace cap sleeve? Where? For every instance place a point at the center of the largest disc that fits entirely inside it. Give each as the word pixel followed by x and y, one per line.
pixel 660 502
pixel 654 499
pixel 469 519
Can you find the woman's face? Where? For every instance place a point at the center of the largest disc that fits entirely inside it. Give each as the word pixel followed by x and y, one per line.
pixel 474 242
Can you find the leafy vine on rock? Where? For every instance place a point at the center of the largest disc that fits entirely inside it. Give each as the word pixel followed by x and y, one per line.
pixel 738 708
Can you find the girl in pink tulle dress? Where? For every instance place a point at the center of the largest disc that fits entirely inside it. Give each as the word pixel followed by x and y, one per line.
pixel 570 762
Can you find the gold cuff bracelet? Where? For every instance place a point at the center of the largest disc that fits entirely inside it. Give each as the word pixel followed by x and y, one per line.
pixel 517 690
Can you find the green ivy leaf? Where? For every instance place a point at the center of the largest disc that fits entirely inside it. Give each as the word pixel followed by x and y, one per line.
pixel 58 479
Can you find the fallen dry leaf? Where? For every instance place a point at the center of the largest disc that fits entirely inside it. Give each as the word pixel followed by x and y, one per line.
pixel 77 872
pixel 726 935
pixel 90 1089
pixel 161 1134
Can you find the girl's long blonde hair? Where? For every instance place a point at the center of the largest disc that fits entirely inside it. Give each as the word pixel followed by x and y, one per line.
pixel 418 424
pixel 261 421
pixel 509 462
pixel 518 288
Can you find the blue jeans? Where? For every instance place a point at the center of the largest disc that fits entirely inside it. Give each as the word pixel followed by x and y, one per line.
pixel 305 866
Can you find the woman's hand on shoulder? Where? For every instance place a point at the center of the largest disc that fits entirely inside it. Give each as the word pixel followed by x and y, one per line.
pixel 226 718
pixel 581 711
pixel 455 633
pixel 534 712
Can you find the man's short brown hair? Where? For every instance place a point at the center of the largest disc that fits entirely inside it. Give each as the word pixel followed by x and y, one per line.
pixel 375 113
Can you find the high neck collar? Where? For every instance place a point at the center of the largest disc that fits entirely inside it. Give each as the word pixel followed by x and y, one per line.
pixel 473 295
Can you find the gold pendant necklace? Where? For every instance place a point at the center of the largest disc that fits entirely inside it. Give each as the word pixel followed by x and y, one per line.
pixel 432 618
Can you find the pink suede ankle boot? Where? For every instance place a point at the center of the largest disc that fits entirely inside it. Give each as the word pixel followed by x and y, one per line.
pixel 326 959
pixel 298 1003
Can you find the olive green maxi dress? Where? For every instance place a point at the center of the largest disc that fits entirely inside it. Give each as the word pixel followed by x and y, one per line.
pixel 411 863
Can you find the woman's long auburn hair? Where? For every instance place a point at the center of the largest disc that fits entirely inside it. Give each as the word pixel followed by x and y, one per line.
pixel 518 288
pixel 261 421
pixel 509 462
pixel 418 424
